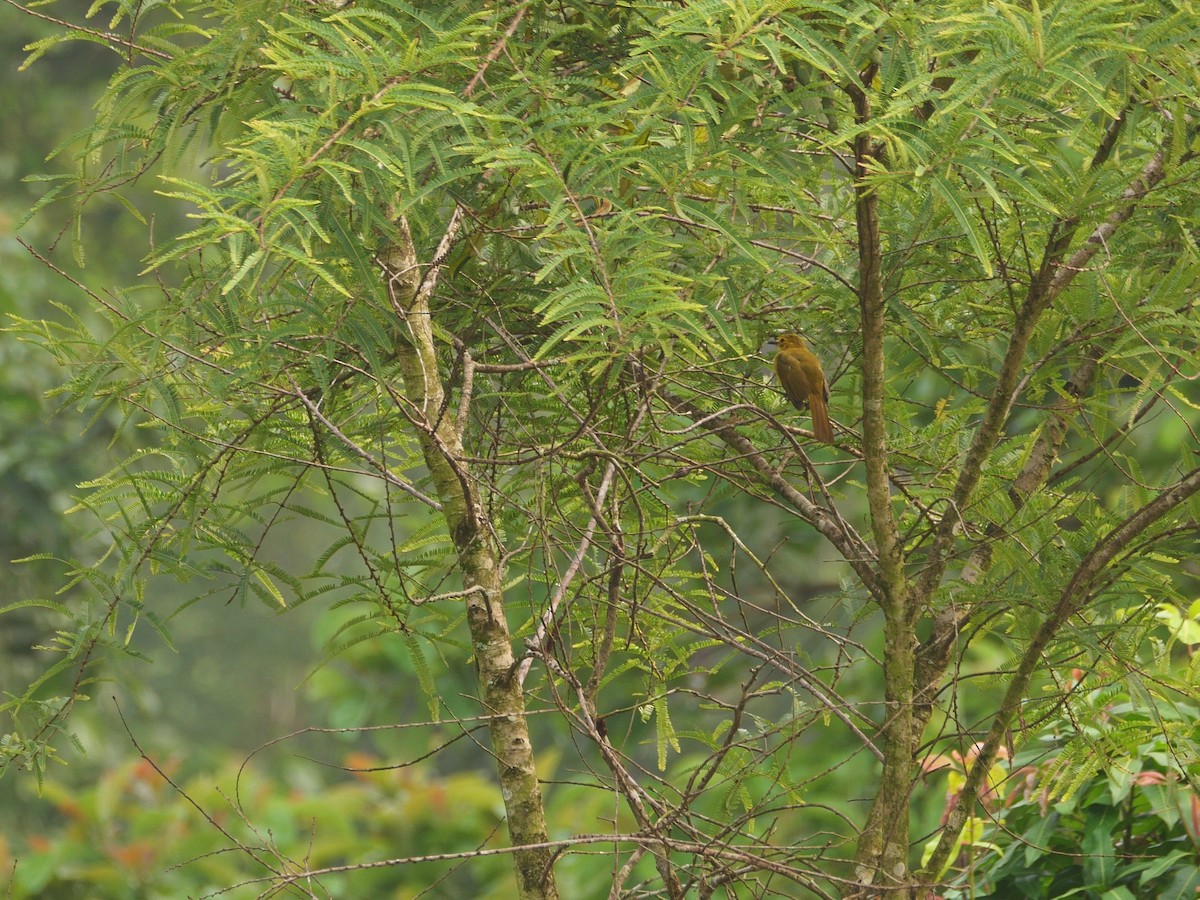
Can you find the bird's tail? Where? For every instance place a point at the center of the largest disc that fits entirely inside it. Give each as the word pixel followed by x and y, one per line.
pixel 820 419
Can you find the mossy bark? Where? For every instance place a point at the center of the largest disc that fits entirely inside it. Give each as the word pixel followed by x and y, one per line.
pixel 882 855
pixel 479 559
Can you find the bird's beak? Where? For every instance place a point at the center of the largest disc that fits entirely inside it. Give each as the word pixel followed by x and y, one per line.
pixel 770 346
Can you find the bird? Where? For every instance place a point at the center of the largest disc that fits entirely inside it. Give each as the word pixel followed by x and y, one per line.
pixel 799 371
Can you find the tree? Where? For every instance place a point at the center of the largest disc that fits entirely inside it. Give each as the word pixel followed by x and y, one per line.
pixel 491 281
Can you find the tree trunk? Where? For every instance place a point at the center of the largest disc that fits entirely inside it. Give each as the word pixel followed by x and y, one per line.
pixel 882 857
pixel 441 435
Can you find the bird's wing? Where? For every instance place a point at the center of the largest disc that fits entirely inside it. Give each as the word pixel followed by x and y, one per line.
pixel 793 378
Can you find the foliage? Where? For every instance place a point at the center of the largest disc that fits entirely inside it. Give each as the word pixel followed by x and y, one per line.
pixel 478 291
pixel 1127 825
pixel 46 449
pixel 131 836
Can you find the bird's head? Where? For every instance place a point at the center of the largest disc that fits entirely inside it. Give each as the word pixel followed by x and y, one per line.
pixel 786 341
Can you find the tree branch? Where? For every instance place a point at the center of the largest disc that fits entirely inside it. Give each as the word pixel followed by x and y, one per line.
pixel 1073 598
pixel 853 548
pixel 1052 279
